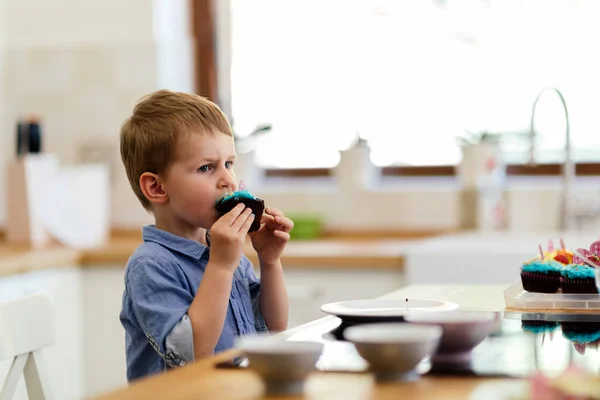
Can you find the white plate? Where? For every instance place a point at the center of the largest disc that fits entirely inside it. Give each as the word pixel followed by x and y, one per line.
pixel 385 307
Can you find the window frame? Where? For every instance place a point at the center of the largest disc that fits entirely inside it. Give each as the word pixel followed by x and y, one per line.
pixel 550 169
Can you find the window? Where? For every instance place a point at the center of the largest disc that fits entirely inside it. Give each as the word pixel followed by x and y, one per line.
pixel 411 76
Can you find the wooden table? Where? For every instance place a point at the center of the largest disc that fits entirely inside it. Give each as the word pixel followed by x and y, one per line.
pixel 202 380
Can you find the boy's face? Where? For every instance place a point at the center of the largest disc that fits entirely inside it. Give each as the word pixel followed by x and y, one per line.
pixel 200 174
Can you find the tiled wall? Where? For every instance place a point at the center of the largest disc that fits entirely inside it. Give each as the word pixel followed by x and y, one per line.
pixel 81 67
pixel 82 94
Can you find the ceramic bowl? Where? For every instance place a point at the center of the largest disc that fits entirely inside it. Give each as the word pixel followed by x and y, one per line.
pixel 462 332
pixel 393 350
pixel 283 365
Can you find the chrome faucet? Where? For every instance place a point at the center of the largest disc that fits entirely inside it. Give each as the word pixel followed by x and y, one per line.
pixel 568 167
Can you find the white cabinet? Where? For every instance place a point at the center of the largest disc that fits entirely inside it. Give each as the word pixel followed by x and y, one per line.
pixel 104 336
pixel 89 355
pixel 63 361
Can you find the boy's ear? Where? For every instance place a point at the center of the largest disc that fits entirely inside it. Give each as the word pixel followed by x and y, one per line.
pixel 152 188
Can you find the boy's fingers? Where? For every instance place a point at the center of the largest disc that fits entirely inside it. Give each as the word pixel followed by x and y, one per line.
pixel 231 216
pixel 265 219
pixel 285 223
pixel 247 223
pixel 239 221
pixel 273 225
pixel 283 236
pixel 274 212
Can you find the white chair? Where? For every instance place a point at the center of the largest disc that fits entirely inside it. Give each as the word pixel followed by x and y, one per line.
pixel 26 326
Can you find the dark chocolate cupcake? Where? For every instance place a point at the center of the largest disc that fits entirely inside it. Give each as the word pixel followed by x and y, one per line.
pixel 582 334
pixel 538 327
pixel 541 276
pixel 578 278
pixel 226 204
pixel 580 326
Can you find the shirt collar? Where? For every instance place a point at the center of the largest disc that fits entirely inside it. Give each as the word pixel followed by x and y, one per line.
pixel 190 248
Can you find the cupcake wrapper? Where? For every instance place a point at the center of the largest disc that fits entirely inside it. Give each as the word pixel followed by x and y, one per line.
pixel 587 285
pixel 538 323
pixel 580 327
pixel 257 205
pixel 541 283
pixel 537 327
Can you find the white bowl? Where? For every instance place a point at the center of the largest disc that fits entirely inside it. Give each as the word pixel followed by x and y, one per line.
pixel 462 332
pixel 393 350
pixel 283 365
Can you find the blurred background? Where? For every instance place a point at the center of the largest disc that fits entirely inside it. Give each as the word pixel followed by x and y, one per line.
pixel 412 79
pixel 387 130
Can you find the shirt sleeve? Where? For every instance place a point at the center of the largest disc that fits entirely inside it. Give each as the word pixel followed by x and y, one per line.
pixel 180 341
pixel 160 303
pixel 254 286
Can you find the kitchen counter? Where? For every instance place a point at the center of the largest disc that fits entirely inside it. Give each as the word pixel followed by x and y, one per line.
pixel 204 380
pixel 344 254
pixel 482 257
pixel 15 260
pixel 379 253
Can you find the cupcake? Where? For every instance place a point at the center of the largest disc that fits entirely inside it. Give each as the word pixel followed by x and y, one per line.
pixel 543 274
pixel 539 327
pixel 561 255
pixel 226 204
pixel 583 335
pixel 579 276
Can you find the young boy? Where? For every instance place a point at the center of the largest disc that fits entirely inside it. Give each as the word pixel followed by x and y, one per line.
pixel 188 293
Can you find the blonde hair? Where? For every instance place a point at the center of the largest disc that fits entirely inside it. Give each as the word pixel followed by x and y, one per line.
pixel 149 135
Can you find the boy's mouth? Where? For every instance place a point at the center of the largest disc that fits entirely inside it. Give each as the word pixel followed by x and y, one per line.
pixel 223 196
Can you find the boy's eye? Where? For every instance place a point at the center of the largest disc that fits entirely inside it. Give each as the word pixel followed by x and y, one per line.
pixel 204 168
pixel 228 164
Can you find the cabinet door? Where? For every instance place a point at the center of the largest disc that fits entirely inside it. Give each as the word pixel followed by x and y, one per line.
pixel 104 344
pixel 63 362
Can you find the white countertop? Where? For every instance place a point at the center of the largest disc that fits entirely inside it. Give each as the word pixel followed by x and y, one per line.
pixel 504 242
pixel 482 257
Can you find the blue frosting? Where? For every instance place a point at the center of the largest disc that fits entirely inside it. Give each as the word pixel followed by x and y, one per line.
pixel 582 337
pixel 539 328
pixel 578 271
pixel 242 194
pixel 542 266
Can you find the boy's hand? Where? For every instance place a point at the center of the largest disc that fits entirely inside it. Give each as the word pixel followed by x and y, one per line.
pixel 270 240
pixel 227 237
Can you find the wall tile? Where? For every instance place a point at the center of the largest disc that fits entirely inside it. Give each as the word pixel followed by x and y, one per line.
pixel 42 71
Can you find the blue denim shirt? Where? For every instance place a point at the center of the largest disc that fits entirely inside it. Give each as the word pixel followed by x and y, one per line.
pixel 161 280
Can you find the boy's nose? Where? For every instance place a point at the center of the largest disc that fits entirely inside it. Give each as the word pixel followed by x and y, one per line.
pixel 228 182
